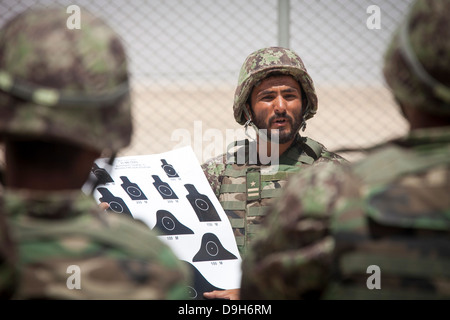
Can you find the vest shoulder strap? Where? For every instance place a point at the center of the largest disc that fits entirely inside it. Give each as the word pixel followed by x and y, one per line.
pixel 312 148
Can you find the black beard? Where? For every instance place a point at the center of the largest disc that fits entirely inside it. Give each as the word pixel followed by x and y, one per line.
pixel 283 135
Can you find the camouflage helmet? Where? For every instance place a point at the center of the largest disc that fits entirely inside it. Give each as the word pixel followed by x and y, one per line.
pixel 64 84
pixel 259 65
pixel 416 63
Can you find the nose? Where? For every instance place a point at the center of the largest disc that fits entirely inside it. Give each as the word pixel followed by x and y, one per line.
pixel 279 104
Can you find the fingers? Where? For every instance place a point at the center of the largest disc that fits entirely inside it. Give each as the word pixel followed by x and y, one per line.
pixel 104 205
pixel 230 294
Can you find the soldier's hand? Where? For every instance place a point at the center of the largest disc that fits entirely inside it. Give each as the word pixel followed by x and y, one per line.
pixel 104 205
pixel 230 294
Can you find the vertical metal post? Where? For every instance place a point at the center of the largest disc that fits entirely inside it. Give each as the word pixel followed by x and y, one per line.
pixel 283 23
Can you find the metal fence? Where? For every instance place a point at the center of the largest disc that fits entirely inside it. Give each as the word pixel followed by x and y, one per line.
pixel 185 56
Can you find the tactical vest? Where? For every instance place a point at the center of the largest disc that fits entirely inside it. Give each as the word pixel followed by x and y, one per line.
pixel 247 189
pixel 400 240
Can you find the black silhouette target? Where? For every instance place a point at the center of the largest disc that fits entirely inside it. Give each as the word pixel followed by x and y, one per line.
pixel 211 249
pixel 132 189
pixel 101 174
pixel 168 224
pixel 116 204
pixel 200 285
pixel 201 204
pixel 164 188
pixel 169 169
pixel 165 191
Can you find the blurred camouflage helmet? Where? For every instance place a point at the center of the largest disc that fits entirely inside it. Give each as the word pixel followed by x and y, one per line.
pixel 259 65
pixel 64 84
pixel 417 62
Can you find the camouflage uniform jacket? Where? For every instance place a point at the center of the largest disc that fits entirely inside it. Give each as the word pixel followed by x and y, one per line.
pixel 63 235
pixel 8 260
pixel 342 231
pixel 245 190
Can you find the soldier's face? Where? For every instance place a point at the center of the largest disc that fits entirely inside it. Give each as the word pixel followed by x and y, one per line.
pixel 276 105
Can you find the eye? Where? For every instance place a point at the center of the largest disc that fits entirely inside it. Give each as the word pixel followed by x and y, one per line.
pixel 291 96
pixel 268 97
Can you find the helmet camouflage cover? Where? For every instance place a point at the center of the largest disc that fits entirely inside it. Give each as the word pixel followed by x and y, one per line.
pixel 417 64
pixel 64 84
pixel 259 65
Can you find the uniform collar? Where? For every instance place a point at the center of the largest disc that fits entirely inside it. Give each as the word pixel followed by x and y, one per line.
pixel 234 150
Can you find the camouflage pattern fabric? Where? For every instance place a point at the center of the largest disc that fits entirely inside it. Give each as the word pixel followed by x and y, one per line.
pixel 259 65
pixel 428 44
pixel 118 258
pixel 65 84
pixel 231 183
pixel 9 273
pixel 334 221
pixel 214 168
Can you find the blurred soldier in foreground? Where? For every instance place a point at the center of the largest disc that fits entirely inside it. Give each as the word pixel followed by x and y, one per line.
pixel 64 99
pixel 8 261
pixel 378 229
pixel 275 95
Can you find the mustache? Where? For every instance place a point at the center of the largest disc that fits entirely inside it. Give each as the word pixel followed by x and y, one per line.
pixel 284 116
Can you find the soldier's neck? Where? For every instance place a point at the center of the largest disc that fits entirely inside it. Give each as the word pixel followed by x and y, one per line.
pixel 28 172
pixel 32 180
pixel 422 120
pixel 270 149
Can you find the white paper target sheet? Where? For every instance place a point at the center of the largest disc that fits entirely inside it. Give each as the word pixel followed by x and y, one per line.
pixel 170 193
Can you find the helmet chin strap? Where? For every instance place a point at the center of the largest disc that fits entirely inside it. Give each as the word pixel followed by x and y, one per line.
pixel 250 122
pixel 303 125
